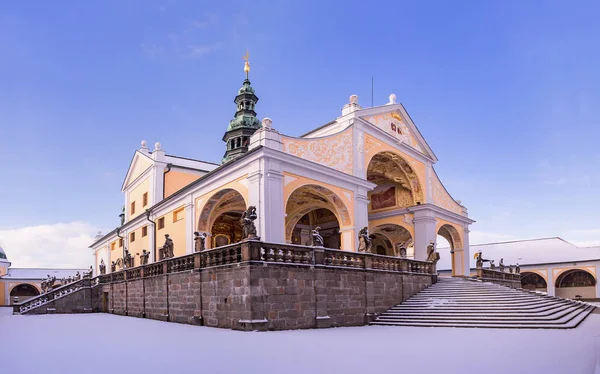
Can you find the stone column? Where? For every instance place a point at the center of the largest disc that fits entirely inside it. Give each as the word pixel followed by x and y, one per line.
pixel 466 252
pixel 550 283
pixel 424 233
pixel 274 209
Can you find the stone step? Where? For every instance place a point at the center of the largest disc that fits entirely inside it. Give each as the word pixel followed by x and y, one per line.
pixel 466 303
pixel 553 315
pixel 453 311
pixel 570 321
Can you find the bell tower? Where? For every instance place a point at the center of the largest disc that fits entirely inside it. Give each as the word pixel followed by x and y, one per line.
pixel 245 123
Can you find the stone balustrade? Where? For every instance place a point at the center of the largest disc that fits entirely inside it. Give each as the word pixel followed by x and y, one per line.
pixel 253 285
pixel 55 294
pixel 512 280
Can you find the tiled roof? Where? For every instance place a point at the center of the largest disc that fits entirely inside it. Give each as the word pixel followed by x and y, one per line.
pixel 41 273
pixel 524 252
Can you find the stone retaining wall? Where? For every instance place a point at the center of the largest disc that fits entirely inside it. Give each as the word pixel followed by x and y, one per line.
pixel 245 289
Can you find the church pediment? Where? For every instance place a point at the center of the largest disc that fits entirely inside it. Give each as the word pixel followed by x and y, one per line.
pixel 139 164
pixel 395 121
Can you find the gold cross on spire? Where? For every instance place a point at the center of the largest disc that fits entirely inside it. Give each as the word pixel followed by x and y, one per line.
pixel 246 64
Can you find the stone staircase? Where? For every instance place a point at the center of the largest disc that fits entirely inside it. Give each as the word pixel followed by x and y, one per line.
pixel 455 302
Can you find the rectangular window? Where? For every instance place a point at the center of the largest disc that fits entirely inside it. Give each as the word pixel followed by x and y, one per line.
pixel 161 223
pixel 113 246
pixel 178 215
pixel 132 237
pixel 132 210
pixel 145 199
pixel 120 243
pixel 144 231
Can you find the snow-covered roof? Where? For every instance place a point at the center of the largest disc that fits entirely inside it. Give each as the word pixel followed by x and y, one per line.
pixel 40 273
pixel 524 252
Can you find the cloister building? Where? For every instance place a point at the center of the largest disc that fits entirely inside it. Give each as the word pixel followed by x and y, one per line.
pixel 370 167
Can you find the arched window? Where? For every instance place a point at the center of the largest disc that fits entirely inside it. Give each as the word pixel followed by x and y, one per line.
pixel 576 278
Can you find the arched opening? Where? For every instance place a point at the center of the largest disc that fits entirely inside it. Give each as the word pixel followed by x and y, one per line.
pixel 323 218
pixel 392 240
pixel 24 292
pixel 220 218
pixel 397 183
pixel 576 284
pixel 312 206
pixel 449 234
pixel 533 281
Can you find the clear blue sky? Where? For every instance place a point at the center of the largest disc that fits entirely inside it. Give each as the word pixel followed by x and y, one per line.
pixel 505 92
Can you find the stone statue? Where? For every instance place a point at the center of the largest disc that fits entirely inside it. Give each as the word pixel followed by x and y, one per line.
pixel 517 269
pixel 402 252
pixel 77 276
pixel 127 260
pixel 122 215
pixel 102 267
pixel 144 257
pixel 432 255
pixel 166 251
pixel 364 241
pixel 50 284
pixel 480 260
pixel 317 239
pixel 492 265
pixel 501 265
pixel 113 267
pixel 248 228
pixel 510 269
pixel 199 240
pixel 89 273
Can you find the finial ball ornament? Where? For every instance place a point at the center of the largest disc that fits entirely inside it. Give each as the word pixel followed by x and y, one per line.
pixel 267 122
pixel 354 99
pixel 157 146
pixel 392 99
pixel 144 144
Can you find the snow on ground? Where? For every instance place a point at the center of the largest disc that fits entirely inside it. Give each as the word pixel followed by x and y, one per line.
pixel 103 343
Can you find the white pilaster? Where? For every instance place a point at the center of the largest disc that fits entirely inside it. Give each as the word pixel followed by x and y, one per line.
pixel 189 226
pixel 550 283
pixel 424 233
pixel 256 198
pixel 466 252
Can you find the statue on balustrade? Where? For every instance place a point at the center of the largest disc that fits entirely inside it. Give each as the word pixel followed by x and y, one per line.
pixel 492 265
pixel 89 273
pixel 501 265
pixel 248 228
pixel 102 267
pixel 480 260
pixel 77 276
pixel 113 267
pixel 167 250
pixel 510 269
pixel 50 283
pixel 402 252
pixel 144 257
pixel 199 241
pixel 364 241
pixel 432 255
pixel 317 239
pixel 517 269
pixel 128 260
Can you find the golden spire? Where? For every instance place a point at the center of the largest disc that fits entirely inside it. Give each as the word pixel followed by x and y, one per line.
pixel 246 64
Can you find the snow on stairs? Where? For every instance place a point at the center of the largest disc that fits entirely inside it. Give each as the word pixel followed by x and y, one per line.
pixel 456 302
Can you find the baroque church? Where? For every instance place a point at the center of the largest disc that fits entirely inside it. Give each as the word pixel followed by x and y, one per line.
pixel 369 168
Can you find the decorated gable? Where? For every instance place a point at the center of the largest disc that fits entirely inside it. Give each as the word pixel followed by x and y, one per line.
pixel 139 165
pixel 334 151
pixel 396 125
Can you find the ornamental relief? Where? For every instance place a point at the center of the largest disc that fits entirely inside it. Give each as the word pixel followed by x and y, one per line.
pixel 393 124
pixel 441 198
pixel 333 151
